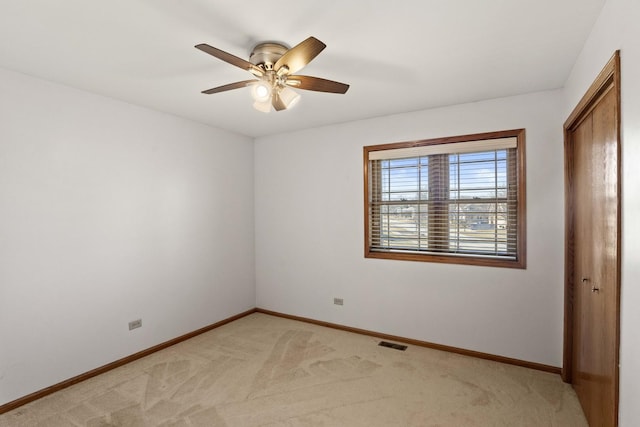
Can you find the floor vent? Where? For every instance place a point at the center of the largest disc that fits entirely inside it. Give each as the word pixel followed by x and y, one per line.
pixel 393 345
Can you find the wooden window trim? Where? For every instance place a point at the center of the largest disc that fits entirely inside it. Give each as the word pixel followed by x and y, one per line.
pixel 519 230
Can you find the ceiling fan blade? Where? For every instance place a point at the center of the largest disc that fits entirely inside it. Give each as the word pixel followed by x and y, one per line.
pixel 317 84
pixel 230 86
pixel 277 102
pixel 231 59
pixel 300 55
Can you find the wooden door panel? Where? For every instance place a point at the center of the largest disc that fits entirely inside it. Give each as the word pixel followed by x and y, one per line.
pixel 605 210
pixel 583 341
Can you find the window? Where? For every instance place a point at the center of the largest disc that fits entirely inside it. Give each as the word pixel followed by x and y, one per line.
pixel 455 200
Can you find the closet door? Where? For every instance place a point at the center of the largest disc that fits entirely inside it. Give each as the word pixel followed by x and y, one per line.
pixel 592 153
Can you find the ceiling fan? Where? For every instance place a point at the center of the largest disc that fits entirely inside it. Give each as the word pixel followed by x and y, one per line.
pixel 274 65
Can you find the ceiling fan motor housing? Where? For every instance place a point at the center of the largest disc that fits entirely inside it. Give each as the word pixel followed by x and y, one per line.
pixel 267 54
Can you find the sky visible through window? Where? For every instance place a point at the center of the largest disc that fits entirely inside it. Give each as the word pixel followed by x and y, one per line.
pixel 471 175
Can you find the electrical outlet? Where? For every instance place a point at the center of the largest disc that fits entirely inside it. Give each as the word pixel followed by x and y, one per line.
pixel 135 324
pixel 338 301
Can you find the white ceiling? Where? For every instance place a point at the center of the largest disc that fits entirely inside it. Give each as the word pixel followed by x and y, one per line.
pixel 398 56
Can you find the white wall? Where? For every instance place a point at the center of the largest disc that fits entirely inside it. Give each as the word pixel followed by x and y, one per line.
pixel 309 236
pixel 109 213
pixel 618 28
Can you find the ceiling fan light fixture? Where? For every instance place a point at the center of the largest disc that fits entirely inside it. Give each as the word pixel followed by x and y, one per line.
pixel 261 91
pixel 289 97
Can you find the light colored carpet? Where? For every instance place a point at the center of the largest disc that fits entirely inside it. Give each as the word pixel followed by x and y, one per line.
pixel 267 371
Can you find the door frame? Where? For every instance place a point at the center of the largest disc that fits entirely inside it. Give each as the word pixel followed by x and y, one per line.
pixel 609 78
